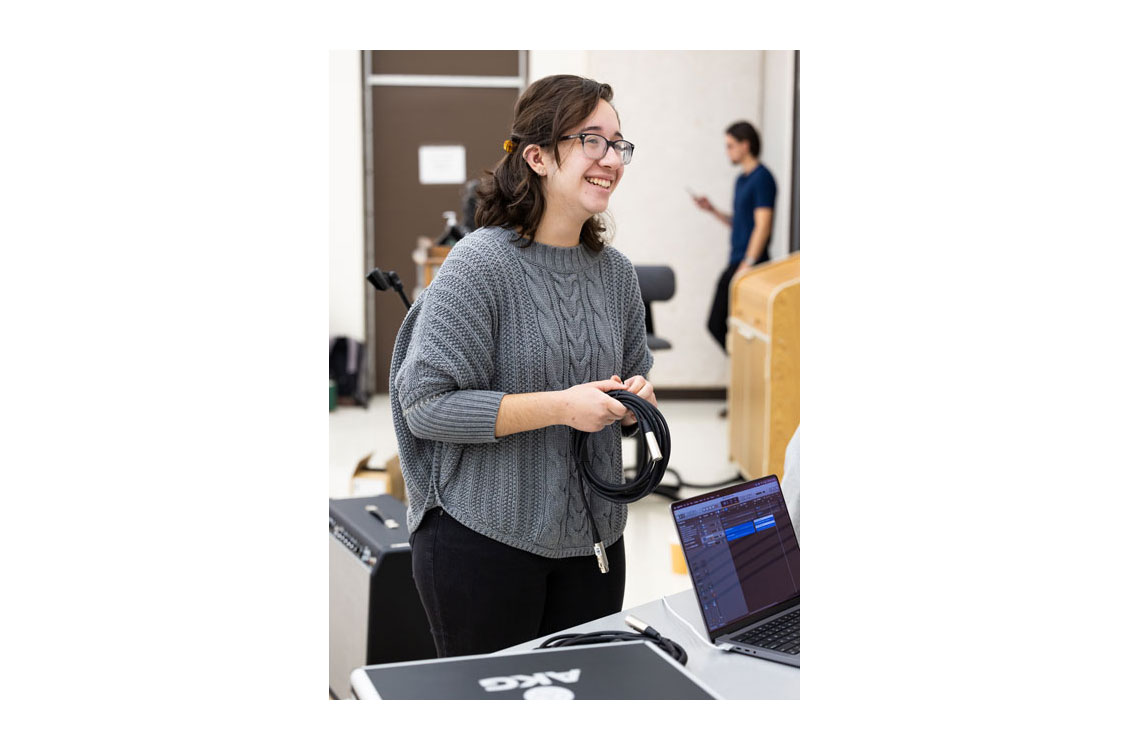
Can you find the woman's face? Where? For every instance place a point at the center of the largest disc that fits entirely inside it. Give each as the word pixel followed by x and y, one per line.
pixel 580 187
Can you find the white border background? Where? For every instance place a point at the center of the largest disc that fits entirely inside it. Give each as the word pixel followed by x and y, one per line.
pixel 164 306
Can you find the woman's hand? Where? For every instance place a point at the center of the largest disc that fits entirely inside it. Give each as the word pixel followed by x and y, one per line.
pixel 588 407
pixel 638 385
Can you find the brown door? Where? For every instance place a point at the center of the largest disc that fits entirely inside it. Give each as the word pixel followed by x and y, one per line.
pixel 414 99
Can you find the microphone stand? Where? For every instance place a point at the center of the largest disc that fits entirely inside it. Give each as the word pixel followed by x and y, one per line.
pixel 384 280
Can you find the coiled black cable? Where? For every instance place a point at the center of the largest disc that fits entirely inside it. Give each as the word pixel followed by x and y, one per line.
pixel 677 652
pixel 655 434
pixel 651 473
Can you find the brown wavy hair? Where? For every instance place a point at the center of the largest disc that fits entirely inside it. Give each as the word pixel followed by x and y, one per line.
pixel 511 195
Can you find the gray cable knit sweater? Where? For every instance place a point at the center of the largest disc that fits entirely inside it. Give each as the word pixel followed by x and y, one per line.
pixel 501 319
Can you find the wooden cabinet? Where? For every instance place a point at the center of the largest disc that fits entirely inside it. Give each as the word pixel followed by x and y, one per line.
pixel 437 254
pixel 763 340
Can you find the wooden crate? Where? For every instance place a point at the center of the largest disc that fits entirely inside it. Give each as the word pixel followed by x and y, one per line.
pixel 436 255
pixel 763 340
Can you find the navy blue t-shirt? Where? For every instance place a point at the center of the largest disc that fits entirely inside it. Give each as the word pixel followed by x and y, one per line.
pixel 757 189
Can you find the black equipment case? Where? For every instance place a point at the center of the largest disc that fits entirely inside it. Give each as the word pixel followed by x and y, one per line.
pixel 375 612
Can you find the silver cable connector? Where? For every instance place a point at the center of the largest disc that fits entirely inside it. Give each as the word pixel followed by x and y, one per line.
pixel 635 623
pixel 653 446
pixel 601 556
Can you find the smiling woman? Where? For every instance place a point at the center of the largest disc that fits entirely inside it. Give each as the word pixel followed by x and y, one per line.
pixel 550 120
pixel 529 323
pixel 580 176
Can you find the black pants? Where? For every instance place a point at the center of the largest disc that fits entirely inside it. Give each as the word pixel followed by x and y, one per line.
pixel 481 595
pixel 720 308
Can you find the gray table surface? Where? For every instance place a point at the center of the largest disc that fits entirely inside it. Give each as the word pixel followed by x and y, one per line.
pixel 734 676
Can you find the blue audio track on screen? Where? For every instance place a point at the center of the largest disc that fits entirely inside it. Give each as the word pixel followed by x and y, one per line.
pixel 737 532
pixel 766 522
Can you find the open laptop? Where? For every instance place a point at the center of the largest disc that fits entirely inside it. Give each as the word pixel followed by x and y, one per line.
pixel 744 561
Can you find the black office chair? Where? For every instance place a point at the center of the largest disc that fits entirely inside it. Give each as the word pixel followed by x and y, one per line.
pixel 657 284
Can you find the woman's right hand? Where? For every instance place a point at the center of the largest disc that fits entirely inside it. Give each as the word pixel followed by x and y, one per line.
pixel 588 407
pixel 704 203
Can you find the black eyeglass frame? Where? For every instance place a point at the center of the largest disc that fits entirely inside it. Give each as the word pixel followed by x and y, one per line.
pixel 625 158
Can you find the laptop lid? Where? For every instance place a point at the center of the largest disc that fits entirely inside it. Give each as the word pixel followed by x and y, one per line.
pixel 742 553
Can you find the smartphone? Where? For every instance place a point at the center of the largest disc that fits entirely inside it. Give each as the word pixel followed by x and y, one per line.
pixel 693 193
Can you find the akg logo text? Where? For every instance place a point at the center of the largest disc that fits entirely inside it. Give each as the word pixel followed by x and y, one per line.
pixel 494 684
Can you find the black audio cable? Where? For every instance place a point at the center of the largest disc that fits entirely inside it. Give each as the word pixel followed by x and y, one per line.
pixel 653 431
pixel 644 632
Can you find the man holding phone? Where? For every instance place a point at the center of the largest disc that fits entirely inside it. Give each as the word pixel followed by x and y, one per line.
pixel 751 224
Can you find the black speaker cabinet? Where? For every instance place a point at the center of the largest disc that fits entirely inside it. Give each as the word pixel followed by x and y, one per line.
pixel 375 613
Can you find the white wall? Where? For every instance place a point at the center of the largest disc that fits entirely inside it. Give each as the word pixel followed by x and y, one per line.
pixel 675 106
pixel 777 140
pixel 347 211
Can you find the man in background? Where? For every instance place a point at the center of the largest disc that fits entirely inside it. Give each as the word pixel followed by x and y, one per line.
pixel 751 223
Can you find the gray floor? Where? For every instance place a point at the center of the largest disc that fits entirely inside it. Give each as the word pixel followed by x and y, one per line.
pixel 699 452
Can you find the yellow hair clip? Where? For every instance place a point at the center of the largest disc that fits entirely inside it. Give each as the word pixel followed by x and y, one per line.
pixel 508 146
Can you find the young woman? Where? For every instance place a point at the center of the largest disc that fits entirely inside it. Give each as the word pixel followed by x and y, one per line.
pixel 529 323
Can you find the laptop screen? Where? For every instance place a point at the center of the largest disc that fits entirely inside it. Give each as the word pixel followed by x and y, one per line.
pixel 742 553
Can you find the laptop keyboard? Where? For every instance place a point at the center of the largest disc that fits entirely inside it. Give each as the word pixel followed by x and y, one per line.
pixel 782 634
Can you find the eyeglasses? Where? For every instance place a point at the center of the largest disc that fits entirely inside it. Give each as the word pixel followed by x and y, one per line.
pixel 596 146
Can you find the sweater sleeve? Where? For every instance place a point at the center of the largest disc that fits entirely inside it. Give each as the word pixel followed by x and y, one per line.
pixel 444 383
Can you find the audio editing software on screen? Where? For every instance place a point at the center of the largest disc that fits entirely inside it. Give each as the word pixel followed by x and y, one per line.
pixel 741 552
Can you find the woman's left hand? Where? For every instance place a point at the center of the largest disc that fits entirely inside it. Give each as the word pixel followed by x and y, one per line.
pixel 638 385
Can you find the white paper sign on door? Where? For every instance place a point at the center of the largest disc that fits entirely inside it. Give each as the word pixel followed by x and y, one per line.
pixel 443 165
